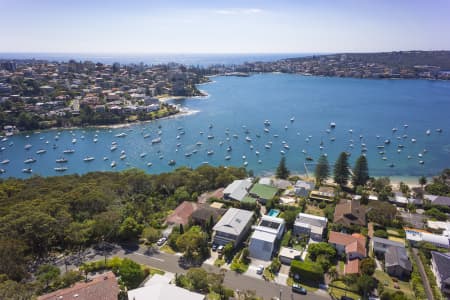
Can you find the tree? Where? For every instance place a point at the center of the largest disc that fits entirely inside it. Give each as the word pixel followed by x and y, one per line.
pixel 322 171
pixel 367 266
pixel 131 273
pixel 321 248
pixel 228 251
pixel 422 181
pixel 381 213
pixel 282 171
pixel 341 169
pixel 130 229
pixel 151 234
pixel 12 259
pixel 47 274
pixel 366 284
pixel 194 244
pixel 360 172
pixel 333 273
pixel 436 214
pixel 197 278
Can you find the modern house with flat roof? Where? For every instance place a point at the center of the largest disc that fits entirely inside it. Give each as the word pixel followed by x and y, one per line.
pixel 233 227
pixel 440 263
pixel 159 288
pixel 302 188
pixel 264 239
pixel 310 225
pixel 381 245
pixel 237 190
pixel 415 236
pixel 287 255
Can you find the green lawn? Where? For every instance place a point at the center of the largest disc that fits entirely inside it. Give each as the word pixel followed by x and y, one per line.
pixel 341 267
pixel 337 293
pixel 388 283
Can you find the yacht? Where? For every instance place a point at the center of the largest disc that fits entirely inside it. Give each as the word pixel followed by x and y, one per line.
pixel 122 134
pixel 68 151
pixel 188 154
pixel 88 158
pixel 149 164
pixel 292 119
pixel 113 164
pixel 60 169
pixel 248 139
pixel 143 154
pixel 4 162
pixel 156 141
pixel 210 152
pixel 74 141
pixel 113 147
pixel 332 125
pixel 27 146
pixel 428 132
pixel 245 163
pixel 147 136
pixel 27 170
pixel 123 156
pixel 41 151
pixel 227 157
pixel 29 160
pixel 229 149
pixel 210 137
pixel 172 162
pixel 61 160
pixel 267 122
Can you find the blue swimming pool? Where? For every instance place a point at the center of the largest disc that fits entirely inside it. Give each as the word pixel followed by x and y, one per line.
pixel 273 212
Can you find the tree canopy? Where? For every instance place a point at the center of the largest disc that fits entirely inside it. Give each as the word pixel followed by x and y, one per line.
pixel 360 172
pixel 282 171
pixel 341 169
pixel 322 171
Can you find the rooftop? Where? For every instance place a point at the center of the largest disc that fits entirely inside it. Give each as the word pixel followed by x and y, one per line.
pixel 102 287
pixel 442 261
pixel 263 191
pixel 182 213
pixel 234 221
pixel 397 256
pixel 238 189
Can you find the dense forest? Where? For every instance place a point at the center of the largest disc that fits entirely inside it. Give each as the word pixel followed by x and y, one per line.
pixel 42 216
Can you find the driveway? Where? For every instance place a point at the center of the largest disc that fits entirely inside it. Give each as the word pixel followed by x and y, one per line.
pixel 425 282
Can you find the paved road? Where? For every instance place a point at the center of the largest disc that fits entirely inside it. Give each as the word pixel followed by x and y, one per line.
pixel 426 284
pixel 169 263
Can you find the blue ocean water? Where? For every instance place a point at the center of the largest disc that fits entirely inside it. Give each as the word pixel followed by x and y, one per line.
pixel 361 108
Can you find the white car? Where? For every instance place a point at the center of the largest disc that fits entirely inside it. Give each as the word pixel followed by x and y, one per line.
pixel 161 241
pixel 260 269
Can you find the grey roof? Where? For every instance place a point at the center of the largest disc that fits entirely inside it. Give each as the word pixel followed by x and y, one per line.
pixel 442 261
pixel 441 200
pixel 387 242
pixel 234 221
pixel 310 220
pixel 238 189
pixel 397 256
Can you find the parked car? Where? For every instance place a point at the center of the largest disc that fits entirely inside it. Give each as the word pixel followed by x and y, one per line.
pixel 297 288
pixel 214 247
pixel 260 269
pixel 220 249
pixel 161 241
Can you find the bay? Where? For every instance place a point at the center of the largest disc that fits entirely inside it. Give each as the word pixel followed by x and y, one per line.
pixel 239 106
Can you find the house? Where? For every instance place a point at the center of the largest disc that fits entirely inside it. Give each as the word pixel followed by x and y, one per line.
pixel 352 267
pixel 182 213
pixel 415 236
pixel 101 287
pixel 438 200
pixel 400 200
pixel 265 237
pixel 349 213
pixel 310 225
pixel 302 188
pixel 381 245
pixel 354 246
pixel 275 182
pixel 396 262
pixel 204 213
pixel 159 288
pixel 237 190
pixel 287 255
pixel 440 263
pixel 263 192
pixel 233 227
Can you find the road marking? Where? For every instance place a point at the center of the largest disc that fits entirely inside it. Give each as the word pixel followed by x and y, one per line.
pixel 155 258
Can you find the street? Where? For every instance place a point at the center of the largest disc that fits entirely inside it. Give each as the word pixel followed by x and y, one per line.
pixel 233 280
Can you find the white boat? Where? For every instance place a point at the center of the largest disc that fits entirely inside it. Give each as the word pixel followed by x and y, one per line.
pixel 147 136
pixel 29 160
pixel 156 141
pixel 332 125
pixel 122 134
pixel 199 143
pixel 41 151
pixel 172 162
pixel 267 122
pixel 244 157
pixel 74 141
pixel 113 164
pixel 122 152
pixel 210 152
pixel 245 163
pixel 123 156
pixel 2 171
pixel 60 169
pixel 413 140
pixel 292 119
pixel 227 157
pixel 95 140
pixel 5 161
pixel 27 146
pixel 428 132
pixel 421 162
pixel 189 154
pixel 61 160
pixel 210 137
pixel 267 146
pixel 143 155
pixel 149 164
pixel 248 139
pixel 282 152
pixel 286 146
pixel 105 158
pixel 88 158
pixel 27 170
pixel 68 151
pixel 113 147
pixel 257 152
pixel 266 130
pixel 259 161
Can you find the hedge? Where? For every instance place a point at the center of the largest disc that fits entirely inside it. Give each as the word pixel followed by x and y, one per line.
pixel 308 271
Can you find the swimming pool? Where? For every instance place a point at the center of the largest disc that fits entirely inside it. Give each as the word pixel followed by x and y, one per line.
pixel 273 212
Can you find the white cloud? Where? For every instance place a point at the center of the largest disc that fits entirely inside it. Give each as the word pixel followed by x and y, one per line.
pixel 238 11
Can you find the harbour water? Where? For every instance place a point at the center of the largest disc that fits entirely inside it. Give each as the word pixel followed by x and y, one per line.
pixel 227 128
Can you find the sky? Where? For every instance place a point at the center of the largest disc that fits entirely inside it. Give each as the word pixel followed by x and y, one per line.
pixel 223 26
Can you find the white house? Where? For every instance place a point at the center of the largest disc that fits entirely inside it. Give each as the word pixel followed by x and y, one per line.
pixel 302 188
pixel 310 225
pixel 417 235
pixel 264 239
pixel 233 227
pixel 159 288
pixel 237 190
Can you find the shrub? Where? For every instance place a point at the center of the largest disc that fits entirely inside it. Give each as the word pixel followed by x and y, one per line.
pixel 306 270
pixel 380 233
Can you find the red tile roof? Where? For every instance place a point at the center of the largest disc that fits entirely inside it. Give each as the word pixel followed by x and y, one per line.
pixel 352 243
pixel 102 287
pixel 182 213
pixel 352 267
